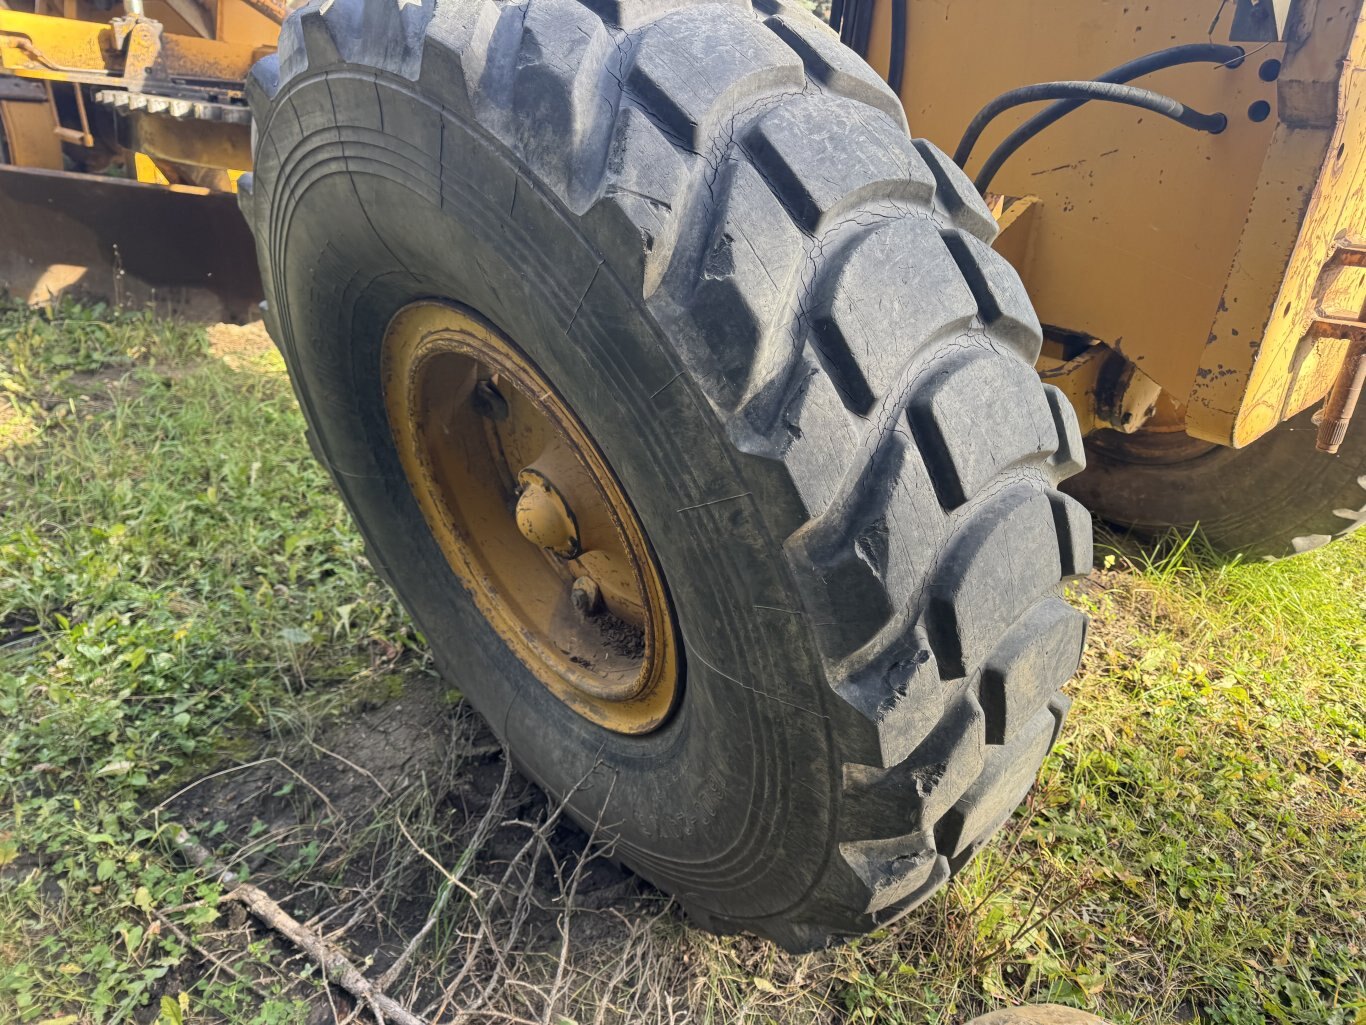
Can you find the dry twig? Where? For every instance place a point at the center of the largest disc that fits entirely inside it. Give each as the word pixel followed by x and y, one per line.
pixel 481 834
pixel 336 967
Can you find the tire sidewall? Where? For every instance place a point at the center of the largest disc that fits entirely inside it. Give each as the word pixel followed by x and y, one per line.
pixel 1277 497
pixel 739 783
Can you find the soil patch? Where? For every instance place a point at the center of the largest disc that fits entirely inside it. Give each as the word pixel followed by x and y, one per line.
pixel 345 825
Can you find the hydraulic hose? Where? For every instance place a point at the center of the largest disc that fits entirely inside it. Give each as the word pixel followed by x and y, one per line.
pixel 896 60
pixel 1174 56
pixel 1084 91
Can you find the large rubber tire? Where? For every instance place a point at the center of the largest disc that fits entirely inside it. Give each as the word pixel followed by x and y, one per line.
pixel 1278 497
pixel 783 325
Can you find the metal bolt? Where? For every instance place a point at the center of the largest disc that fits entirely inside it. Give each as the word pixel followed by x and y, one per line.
pixel 488 401
pixel 586 596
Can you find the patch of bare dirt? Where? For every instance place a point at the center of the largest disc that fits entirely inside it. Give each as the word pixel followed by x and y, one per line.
pixel 357 825
pixel 239 345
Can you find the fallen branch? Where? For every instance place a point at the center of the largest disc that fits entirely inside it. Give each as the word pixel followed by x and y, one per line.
pixel 336 967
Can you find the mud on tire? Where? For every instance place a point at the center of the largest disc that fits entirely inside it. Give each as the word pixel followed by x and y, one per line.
pixel 782 321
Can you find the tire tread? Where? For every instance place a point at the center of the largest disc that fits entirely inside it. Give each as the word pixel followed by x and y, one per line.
pixel 765 197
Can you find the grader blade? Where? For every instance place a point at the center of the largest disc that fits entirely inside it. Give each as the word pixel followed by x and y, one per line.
pixel 179 249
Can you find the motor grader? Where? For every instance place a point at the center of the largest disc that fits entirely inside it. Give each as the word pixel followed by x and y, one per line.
pixel 730 445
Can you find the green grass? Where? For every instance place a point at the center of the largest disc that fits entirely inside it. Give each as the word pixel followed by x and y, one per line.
pixel 185 566
pixel 180 590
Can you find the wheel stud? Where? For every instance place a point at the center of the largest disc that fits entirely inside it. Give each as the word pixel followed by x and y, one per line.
pixel 586 596
pixel 488 401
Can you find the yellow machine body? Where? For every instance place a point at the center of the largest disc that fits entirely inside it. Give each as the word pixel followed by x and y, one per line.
pixel 1204 261
pixel 123 137
pixel 1221 274
pixel 72 51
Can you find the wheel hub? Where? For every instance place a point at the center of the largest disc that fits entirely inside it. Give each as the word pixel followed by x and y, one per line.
pixel 1161 441
pixel 530 516
pixel 544 516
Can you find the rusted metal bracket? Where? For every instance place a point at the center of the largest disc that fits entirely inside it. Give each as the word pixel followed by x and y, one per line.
pixel 139 40
pixel 1341 404
pixel 77 136
pixel 1105 389
pixel 1336 415
pixel 1347 253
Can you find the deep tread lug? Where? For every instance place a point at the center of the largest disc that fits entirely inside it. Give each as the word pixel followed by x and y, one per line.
pixel 893 869
pixel 637 213
pixel 1075 539
pixel 1033 660
pixel 967 437
pixel 818 460
pixel 1003 560
pixel 1003 784
pixel 1070 458
pixel 749 258
pixel 836 66
pixel 319 45
pixel 956 196
pixel 1003 301
pixel 918 792
pixel 938 876
pixel 378 35
pixel 556 98
pixel 263 82
pixel 857 154
pixel 691 84
pixel 897 690
pixel 459 38
pixel 865 348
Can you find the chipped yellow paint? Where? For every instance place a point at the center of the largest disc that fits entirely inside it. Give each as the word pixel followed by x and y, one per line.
pixel 1177 249
pixel 1313 194
pixel 85 50
pixel 1138 217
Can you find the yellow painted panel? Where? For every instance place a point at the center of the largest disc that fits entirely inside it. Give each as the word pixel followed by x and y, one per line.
pixel 1168 245
pixel 238 23
pixel 1292 371
pixel 1139 217
pixel 28 134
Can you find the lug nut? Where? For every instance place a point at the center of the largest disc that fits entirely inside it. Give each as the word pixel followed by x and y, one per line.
pixel 586 596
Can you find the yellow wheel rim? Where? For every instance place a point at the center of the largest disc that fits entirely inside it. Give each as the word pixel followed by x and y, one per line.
pixel 530 516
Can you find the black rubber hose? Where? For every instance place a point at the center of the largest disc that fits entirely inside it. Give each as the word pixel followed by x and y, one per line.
pixel 896 63
pixel 1109 92
pixel 863 28
pixel 847 10
pixel 1174 56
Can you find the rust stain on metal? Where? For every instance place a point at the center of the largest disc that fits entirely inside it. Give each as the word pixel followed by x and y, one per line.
pixel 1337 413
